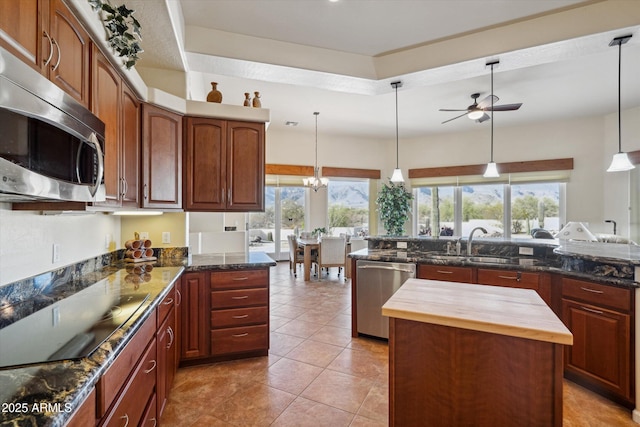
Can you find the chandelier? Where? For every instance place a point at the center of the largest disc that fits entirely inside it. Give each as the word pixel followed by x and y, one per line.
pixel 315 182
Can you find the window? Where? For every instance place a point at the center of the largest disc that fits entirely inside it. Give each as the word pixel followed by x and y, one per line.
pixel 534 206
pixel 348 206
pixel 435 207
pixel 483 206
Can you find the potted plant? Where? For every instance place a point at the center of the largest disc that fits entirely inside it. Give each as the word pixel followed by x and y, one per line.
pixel 394 205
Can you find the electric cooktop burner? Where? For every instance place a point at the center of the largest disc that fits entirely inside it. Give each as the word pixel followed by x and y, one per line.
pixel 71 328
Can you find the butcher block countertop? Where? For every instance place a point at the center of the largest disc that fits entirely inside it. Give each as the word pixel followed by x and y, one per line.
pixel 493 309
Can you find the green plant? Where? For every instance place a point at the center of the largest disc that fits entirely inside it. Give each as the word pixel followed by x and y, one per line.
pixel 394 206
pixel 318 230
pixel 123 30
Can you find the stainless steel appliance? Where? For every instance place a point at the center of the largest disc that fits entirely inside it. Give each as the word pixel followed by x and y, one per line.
pixel 51 147
pixel 376 282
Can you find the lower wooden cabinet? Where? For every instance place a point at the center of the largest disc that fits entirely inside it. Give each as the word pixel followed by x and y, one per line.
pixel 85 415
pixel 446 273
pixel 600 319
pixel 539 282
pixel 225 315
pixel 167 349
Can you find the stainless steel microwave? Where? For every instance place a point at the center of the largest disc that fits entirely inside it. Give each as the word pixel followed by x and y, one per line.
pixel 51 147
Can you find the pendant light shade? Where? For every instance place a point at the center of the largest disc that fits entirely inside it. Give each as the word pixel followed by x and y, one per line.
pixel 316 181
pixel 492 168
pixel 397 172
pixel 620 161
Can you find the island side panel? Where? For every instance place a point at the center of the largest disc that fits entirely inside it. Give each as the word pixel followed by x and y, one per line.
pixel 450 376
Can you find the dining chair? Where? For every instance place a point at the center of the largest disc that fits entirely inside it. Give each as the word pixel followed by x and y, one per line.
pixel 296 254
pixel 332 253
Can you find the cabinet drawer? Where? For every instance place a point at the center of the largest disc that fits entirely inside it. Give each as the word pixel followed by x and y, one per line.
pixel 597 294
pixel 131 403
pixel 239 317
pixel 114 378
pixel 239 298
pixel 150 416
pixel 445 272
pixel 510 278
pixel 166 305
pixel 238 340
pixel 239 279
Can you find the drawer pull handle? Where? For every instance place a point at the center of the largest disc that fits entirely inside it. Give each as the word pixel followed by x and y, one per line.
pixel 444 272
pixel 517 277
pixel 244 316
pixel 595 291
pixel 238 279
pixel 155 421
pixel 55 67
pixel 242 297
pixel 179 297
pixel 168 302
pixel 126 419
pixel 46 61
pixel 591 310
pixel 171 335
pixel 240 335
pixel 151 368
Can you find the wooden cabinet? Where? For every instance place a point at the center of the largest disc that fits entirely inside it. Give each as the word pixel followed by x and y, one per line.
pixel 167 349
pixel 446 273
pixel 239 312
pixel 130 147
pixel 194 322
pixel 224 165
pixel 601 320
pixel 161 158
pixel 85 415
pixel 517 279
pixel 46 35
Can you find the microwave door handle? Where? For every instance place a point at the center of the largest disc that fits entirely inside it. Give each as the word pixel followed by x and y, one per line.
pixel 94 141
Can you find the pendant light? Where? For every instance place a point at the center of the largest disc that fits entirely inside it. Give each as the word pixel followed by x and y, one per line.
pixel 492 169
pixel 314 182
pixel 397 172
pixel 620 160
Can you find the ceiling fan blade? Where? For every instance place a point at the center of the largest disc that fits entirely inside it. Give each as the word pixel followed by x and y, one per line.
pixel 486 102
pixel 484 118
pixel 505 107
pixel 448 109
pixel 457 117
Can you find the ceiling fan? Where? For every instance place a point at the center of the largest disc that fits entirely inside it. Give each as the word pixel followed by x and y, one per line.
pixel 477 110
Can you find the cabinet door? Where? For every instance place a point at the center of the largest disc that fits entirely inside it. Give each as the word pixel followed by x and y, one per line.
pixel 245 166
pixel 194 317
pixel 517 279
pixel 105 103
pixel 161 158
pixel 446 273
pixel 23 26
pixel 130 161
pixel 205 167
pixel 69 67
pixel 166 359
pixel 601 350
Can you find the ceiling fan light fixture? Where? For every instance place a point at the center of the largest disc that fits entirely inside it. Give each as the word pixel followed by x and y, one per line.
pixel 475 115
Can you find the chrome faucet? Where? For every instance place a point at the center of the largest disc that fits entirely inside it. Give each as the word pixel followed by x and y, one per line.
pixel 471 238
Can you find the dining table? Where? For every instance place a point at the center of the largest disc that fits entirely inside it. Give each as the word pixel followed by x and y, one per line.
pixel 308 244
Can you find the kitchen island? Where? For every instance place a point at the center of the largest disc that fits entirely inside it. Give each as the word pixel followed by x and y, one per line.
pixel 463 354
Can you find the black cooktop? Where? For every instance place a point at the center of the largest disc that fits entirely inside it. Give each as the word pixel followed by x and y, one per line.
pixel 71 328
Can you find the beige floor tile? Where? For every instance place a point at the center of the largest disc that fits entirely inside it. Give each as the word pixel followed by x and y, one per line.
pixel 341 321
pixel 315 353
pixel 299 328
pixel 360 421
pixel 306 413
pixel 290 375
pixel 282 344
pixel 339 390
pixel 361 364
pixel 332 335
pixel 376 404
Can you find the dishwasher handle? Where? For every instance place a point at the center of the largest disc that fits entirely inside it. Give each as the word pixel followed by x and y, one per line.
pixel 380 267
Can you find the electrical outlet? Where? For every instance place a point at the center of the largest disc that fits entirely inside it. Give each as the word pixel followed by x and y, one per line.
pixel 55 314
pixel 144 235
pixel 166 237
pixel 401 245
pixel 55 253
pixel 525 251
pixel 107 240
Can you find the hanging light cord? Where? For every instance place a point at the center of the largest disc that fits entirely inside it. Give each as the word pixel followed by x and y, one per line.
pixel 619 95
pixel 315 170
pixel 397 150
pixel 492 113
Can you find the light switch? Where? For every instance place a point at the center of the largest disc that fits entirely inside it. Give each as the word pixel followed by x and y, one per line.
pixel 166 237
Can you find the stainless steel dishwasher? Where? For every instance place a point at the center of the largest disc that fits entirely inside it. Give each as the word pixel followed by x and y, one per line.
pixel 375 283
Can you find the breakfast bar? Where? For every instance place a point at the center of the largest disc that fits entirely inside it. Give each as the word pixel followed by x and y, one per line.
pixel 463 354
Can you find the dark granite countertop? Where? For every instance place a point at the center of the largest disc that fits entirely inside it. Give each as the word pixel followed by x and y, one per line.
pixel 46 394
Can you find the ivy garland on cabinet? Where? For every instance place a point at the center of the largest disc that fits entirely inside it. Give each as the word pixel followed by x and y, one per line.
pixel 123 30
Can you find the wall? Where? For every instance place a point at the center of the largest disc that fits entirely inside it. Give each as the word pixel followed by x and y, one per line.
pixel 174 223
pixel 27 238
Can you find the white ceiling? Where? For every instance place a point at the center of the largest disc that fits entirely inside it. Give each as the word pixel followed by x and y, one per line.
pixel 339 58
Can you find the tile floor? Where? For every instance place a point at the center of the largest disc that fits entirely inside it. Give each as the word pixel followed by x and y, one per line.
pixel 316 374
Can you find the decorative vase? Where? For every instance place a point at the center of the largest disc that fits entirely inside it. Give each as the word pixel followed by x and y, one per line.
pixel 215 95
pixel 247 99
pixel 256 100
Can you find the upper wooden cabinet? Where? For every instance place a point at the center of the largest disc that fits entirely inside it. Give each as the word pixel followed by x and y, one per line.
pixel 46 35
pixel 224 165
pixel 161 158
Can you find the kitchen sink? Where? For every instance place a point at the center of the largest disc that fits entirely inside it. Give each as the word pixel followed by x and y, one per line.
pixel 473 258
pixel 492 260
